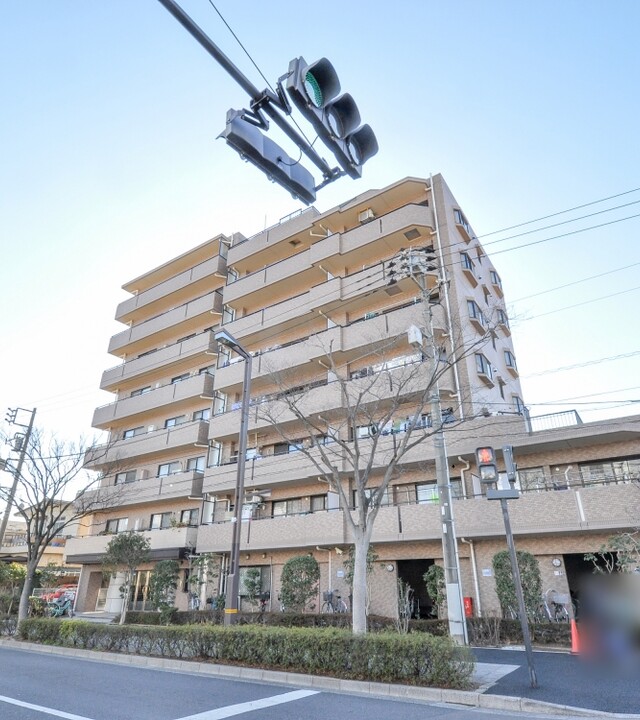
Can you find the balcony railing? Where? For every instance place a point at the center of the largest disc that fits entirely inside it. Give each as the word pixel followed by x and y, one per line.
pixel 597 508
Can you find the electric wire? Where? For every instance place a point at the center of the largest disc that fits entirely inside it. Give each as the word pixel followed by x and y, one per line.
pixel 561 212
pixel 262 75
pixel 575 282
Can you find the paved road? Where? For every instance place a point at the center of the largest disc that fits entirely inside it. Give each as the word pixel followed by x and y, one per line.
pixel 35 686
pixel 567 680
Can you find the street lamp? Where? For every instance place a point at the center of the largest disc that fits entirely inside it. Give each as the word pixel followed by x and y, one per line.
pixel 233 585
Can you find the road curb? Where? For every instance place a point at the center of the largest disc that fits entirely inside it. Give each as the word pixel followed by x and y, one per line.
pixel 321 682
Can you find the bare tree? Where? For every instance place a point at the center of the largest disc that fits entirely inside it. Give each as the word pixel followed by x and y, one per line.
pixel 53 492
pixel 384 413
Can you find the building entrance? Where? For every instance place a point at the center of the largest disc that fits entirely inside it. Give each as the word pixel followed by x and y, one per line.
pixel 411 572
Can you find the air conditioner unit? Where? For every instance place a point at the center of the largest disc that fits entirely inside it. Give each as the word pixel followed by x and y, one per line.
pixel 366 215
pixel 256 499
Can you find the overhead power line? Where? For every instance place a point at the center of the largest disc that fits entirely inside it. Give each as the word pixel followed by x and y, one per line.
pixel 561 212
pixel 575 366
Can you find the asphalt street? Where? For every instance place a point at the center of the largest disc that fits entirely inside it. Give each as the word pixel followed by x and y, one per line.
pixel 35 686
pixel 567 680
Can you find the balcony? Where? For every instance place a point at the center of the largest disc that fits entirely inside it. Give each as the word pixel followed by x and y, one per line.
pixel 327 399
pixel 189 317
pixel 333 254
pixel 172 359
pixel 164 440
pixel 535 514
pixel 360 288
pixel 344 344
pixel 192 282
pixel 169 399
pixel 264 471
pixel 266 245
pixel 288 531
pixel 167 487
pixel 164 544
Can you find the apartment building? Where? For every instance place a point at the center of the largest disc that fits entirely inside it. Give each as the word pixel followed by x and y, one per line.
pixel 319 303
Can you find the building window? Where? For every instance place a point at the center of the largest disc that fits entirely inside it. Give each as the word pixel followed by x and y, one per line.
pixel 502 318
pixel 466 261
pixel 140 391
pixel 116 525
pixel 160 521
pixel 283 448
pixel 427 493
pixel 172 422
pixel 483 366
pixel 386 499
pixel 365 431
pixel 461 220
pixel 209 370
pixel 189 517
pixel 180 378
pixel 196 463
pixel 186 337
pixel 495 278
pixel 610 471
pixel 125 477
pixel 215 454
pixel 294 506
pixel 202 414
pixel 518 404
pixel 219 403
pixel 228 314
pixel 318 503
pixel 475 314
pixel 510 359
pixel 532 478
pixel 132 432
pixel 169 469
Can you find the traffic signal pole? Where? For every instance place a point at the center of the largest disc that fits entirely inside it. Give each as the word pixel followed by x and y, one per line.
pixel 259 100
pixel 489 476
pixel 16 474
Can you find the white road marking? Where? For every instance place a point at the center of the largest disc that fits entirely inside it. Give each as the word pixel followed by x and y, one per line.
pixel 42 709
pixel 240 708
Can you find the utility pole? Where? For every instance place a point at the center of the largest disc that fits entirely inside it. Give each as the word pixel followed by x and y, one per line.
pixel 420 263
pixel 11 418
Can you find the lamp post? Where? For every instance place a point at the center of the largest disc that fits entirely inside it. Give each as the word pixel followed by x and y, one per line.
pixel 233 583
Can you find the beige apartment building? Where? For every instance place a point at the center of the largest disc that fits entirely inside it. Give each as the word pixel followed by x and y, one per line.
pixel 321 303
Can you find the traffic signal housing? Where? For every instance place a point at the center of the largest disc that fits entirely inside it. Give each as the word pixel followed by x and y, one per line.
pixel 314 89
pixel 246 139
pixel 487 466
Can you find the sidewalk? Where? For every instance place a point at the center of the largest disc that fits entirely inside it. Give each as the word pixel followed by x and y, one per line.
pixel 488 675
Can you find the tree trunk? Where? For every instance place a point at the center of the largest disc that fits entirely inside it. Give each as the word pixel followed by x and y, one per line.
pixel 23 609
pixel 359 603
pixel 125 599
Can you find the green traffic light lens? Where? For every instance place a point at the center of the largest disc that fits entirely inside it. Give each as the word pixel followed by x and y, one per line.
pixel 313 90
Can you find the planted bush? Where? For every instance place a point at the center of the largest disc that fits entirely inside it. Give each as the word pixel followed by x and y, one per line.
pixel 416 658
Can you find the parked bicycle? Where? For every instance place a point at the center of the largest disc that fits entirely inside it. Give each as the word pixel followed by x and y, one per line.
pixel 333 603
pixel 60 606
pixel 556 605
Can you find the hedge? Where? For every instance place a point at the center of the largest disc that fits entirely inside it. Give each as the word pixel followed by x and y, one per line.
pixel 416 658
pixel 489 631
pixel 375 623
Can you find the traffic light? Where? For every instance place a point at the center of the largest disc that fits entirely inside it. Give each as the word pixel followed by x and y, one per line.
pixel 315 90
pixel 487 467
pixel 269 157
pixel 10 417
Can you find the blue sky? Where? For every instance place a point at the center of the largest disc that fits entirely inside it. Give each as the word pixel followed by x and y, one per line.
pixel 110 166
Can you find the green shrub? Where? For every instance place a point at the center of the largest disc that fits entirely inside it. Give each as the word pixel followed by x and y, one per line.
pixel 498 631
pixel 416 658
